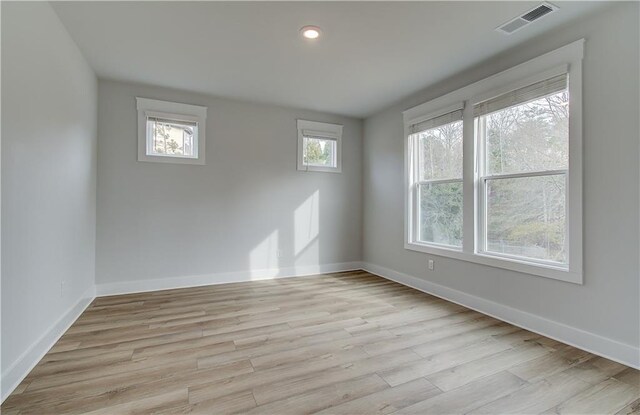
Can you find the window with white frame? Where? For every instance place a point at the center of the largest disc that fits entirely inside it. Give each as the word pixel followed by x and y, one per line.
pixel 494 169
pixel 436 152
pixel 319 146
pixel 523 139
pixel 171 132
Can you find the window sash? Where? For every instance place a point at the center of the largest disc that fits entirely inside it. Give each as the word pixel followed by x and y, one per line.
pixel 416 210
pixel 414 143
pixel 482 214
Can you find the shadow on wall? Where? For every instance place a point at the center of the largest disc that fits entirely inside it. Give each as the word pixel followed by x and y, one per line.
pixel 264 259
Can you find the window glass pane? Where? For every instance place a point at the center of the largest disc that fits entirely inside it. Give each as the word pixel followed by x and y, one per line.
pixel 319 152
pixel 529 137
pixel 526 217
pixel 440 152
pixel 440 213
pixel 171 138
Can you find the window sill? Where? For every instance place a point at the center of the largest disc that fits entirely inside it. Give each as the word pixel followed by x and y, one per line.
pixel 546 271
pixel 169 159
pixel 321 169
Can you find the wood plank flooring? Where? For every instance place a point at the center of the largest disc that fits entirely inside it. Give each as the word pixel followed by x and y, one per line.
pixel 344 343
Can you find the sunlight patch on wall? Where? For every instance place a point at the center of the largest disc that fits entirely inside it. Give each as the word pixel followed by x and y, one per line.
pixel 306 222
pixel 263 259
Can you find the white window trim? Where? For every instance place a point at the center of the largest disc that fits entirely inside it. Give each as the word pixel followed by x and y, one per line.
pixel 567 59
pixel 172 110
pixel 321 130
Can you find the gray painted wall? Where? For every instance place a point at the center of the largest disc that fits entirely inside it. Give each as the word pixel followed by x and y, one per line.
pixel 158 220
pixel 249 202
pixel 49 99
pixel 607 304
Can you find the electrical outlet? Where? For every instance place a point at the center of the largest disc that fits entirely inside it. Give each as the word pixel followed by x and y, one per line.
pixel 62 283
pixel 279 253
pixel 431 264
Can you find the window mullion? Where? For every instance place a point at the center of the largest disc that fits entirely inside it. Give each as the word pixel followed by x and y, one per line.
pixel 470 166
pixel 416 176
pixel 481 215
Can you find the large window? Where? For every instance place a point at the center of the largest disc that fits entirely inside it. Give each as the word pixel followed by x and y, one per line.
pixel 319 146
pixel 436 147
pixel 171 132
pixel 494 170
pixel 524 160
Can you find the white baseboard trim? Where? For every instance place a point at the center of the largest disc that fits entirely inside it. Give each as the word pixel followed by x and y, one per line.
pixel 611 349
pixel 129 287
pixel 14 374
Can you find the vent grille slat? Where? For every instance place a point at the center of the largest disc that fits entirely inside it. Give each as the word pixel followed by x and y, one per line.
pixel 537 13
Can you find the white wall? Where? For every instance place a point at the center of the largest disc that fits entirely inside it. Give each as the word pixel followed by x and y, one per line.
pixel 48 183
pixel 607 304
pixel 189 224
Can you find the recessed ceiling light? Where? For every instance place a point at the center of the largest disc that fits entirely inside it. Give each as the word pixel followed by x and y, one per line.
pixel 310 32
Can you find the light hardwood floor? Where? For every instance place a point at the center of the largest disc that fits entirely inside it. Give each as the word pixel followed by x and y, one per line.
pixel 345 343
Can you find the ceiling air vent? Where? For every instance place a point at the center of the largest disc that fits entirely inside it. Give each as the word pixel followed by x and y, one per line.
pixel 532 15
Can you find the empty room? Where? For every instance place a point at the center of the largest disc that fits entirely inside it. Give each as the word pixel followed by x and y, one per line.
pixel 320 207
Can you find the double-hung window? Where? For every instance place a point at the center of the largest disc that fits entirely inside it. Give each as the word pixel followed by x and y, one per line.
pixel 436 159
pixel 494 170
pixel 523 140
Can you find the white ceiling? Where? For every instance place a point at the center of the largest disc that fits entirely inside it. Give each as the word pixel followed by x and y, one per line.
pixel 370 54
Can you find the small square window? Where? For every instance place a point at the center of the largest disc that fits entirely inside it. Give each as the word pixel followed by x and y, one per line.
pixel 319 152
pixel 319 146
pixel 171 132
pixel 171 138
